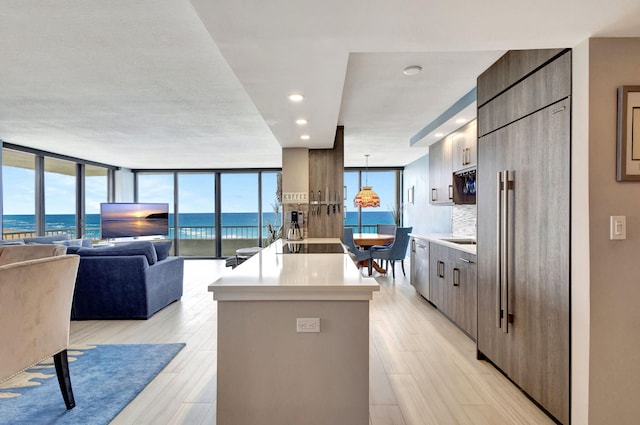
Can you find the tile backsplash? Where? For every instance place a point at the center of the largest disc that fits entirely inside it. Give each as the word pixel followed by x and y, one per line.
pixel 463 220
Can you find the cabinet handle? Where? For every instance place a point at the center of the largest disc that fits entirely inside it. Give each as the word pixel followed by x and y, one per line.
pixel 456 277
pixel 450 191
pixel 440 269
pixel 504 316
pixel 434 194
pixel 498 283
pixel 464 156
pixel 466 261
pixel 560 109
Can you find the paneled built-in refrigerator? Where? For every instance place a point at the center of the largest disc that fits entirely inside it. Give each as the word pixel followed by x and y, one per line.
pixel 523 232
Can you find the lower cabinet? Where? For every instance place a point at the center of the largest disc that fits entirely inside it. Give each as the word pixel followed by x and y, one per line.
pixel 463 295
pixel 453 286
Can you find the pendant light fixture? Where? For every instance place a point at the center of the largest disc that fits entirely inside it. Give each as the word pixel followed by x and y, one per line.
pixel 366 197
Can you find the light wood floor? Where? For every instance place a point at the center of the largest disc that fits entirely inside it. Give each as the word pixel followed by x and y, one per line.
pixel 422 368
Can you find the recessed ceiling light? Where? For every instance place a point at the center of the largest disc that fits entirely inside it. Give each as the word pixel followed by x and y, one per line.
pixel 412 70
pixel 438 134
pixel 296 97
pixel 305 137
pixel 461 121
pixel 301 121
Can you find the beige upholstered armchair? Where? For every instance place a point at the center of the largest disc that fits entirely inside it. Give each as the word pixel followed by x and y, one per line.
pixel 36 291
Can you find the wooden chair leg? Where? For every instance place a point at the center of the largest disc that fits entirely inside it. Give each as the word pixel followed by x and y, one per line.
pixel 393 268
pixel 64 379
pixel 402 263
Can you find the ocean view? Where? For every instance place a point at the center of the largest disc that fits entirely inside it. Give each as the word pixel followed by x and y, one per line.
pixel 235 225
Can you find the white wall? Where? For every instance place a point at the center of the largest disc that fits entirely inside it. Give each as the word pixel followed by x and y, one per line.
pixel 424 217
pixel 580 301
pixel 124 185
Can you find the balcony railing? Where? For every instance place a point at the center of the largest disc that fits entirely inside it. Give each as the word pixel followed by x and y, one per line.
pixel 232 236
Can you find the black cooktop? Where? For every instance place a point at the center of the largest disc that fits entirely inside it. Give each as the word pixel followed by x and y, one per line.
pixel 311 248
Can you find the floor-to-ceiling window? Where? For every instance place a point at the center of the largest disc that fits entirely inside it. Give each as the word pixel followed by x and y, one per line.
pixel 351 187
pixel 48 194
pixel 196 214
pixel 59 197
pixel 200 195
pixel 96 191
pixel 271 208
pixel 18 194
pixel 239 208
pixel 158 188
pixel 385 183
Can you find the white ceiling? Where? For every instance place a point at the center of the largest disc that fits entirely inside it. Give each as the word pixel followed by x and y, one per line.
pixel 204 84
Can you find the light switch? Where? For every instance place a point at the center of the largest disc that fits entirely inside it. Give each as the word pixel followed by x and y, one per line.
pixel 617 227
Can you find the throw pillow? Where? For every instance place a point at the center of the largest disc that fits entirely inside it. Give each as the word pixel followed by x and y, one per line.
pixel 130 248
pixel 73 249
pixel 162 249
pixel 69 242
pixel 12 242
pixel 46 239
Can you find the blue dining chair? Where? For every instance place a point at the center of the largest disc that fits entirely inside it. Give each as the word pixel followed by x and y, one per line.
pixel 396 252
pixel 385 229
pixel 356 253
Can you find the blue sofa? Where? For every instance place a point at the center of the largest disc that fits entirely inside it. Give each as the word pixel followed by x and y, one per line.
pixel 130 280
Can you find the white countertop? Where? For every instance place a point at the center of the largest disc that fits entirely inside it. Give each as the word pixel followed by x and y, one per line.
pixel 271 275
pixel 439 239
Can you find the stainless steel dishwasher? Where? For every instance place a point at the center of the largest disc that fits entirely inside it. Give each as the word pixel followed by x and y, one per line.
pixel 420 266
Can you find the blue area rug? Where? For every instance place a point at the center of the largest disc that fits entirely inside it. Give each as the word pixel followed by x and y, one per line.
pixel 105 378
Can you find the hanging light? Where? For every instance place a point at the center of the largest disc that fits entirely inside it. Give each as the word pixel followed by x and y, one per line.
pixel 366 197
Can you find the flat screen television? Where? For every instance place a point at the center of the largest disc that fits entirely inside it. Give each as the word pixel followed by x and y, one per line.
pixel 132 220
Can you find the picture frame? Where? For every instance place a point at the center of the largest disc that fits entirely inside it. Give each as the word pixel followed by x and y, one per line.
pixel 628 134
pixel 410 196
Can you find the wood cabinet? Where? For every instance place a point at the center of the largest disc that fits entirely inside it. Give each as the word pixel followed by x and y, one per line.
pixel 462 294
pixel 420 266
pixel 438 259
pixel 512 67
pixel 440 173
pixel 464 151
pixel 456 153
pixel 453 286
pixel 523 242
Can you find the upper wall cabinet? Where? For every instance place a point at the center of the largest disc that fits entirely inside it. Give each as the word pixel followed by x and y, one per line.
pixel 456 152
pixel 440 172
pixel 464 151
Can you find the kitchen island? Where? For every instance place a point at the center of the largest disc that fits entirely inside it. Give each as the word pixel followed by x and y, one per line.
pixel 293 337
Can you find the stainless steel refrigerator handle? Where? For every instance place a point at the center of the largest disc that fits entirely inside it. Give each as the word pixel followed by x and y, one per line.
pixel 505 252
pixel 499 252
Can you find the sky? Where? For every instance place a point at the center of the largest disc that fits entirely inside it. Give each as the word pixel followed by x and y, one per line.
pixel 196 191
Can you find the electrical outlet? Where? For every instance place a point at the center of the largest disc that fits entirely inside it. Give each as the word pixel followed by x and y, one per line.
pixel 308 324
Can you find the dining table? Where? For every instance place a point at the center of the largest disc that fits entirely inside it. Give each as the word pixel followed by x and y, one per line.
pixel 367 240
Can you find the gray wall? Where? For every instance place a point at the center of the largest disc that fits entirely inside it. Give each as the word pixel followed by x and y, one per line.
pixel 614 372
